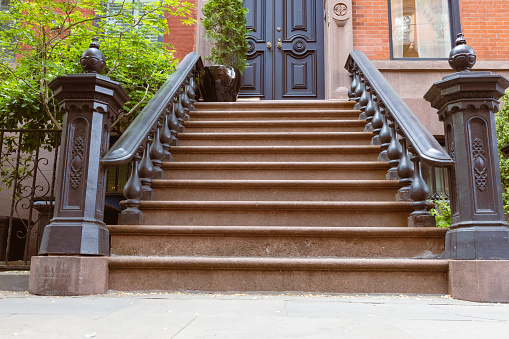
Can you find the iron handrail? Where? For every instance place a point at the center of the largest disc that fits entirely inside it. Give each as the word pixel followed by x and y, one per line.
pixel 129 142
pixel 425 145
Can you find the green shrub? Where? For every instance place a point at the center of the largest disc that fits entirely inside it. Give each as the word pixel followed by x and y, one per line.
pixel 502 123
pixel 442 213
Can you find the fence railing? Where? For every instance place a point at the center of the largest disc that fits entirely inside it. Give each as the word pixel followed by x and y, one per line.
pixel 405 142
pixel 28 162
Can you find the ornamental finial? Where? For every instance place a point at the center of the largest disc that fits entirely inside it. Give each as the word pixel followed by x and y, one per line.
pixel 93 60
pixel 462 57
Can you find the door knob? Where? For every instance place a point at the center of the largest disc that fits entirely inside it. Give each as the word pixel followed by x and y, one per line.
pixel 279 43
pixel 269 45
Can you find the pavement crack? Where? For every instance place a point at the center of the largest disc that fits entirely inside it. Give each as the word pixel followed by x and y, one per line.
pixel 184 327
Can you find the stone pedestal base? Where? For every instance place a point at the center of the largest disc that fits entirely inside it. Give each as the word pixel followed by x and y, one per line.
pixel 68 275
pixel 479 280
pixel 477 242
pixel 421 220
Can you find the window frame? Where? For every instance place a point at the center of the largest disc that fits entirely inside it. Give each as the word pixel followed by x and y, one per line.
pixel 454 26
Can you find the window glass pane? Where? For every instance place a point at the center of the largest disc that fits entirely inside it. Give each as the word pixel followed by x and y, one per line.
pixel 420 28
pixel 135 9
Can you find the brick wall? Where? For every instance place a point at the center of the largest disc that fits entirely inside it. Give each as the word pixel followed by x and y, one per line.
pixel 371 28
pixel 485 24
pixel 182 37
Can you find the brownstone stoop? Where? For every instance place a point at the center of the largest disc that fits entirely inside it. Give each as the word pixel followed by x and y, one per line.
pixel 276 196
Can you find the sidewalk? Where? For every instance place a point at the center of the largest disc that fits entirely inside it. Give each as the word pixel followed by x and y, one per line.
pixel 186 315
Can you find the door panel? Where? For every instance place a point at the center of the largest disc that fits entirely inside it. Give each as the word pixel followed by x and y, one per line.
pixel 292 69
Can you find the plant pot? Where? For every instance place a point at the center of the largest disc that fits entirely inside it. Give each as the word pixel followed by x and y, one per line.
pixel 219 83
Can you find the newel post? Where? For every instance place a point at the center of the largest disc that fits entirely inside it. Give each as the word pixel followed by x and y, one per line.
pixel 75 242
pixel 467 103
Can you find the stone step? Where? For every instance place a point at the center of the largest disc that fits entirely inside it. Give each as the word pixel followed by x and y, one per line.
pixel 277 213
pixel 275 153
pixel 373 170
pixel 282 105
pixel 274 126
pixel 276 190
pixel 319 275
pixel 263 241
pixel 311 114
pixel 275 139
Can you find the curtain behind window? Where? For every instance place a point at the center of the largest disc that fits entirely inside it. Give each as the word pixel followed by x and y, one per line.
pixel 420 28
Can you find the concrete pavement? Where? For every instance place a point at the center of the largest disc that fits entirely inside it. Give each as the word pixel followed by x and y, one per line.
pixel 187 315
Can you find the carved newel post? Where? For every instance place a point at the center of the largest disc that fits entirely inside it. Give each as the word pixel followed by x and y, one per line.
pixel 89 103
pixel 466 103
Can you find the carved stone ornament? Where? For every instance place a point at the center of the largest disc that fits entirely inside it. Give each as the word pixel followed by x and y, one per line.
pixel 462 57
pixel 78 151
pixel 93 60
pixel 480 174
pixel 341 11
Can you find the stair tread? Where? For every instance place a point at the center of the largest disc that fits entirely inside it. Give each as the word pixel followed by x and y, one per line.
pixel 280 205
pixel 281 135
pixel 278 165
pixel 264 149
pixel 274 123
pixel 268 263
pixel 274 183
pixel 292 231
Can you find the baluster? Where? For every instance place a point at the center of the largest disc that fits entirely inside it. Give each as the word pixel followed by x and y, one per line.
pixel 194 86
pixel 157 152
pixel 146 171
pixel 405 173
pixel 393 153
pixel 173 124
pixel 419 192
pixel 369 111
pixel 166 138
pixel 181 114
pixel 353 85
pixel 359 91
pixel 131 215
pixel 364 100
pixel 385 135
pixel 191 94
pixel 377 123
pixel 186 103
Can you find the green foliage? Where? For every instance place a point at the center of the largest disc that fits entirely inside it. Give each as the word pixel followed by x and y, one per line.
pixel 442 213
pixel 47 38
pixel 225 28
pixel 502 122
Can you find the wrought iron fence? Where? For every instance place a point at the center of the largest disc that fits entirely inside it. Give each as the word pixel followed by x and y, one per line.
pixel 28 162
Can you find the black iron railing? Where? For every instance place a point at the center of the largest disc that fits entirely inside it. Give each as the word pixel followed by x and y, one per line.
pixel 28 161
pixel 146 142
pixel 405 142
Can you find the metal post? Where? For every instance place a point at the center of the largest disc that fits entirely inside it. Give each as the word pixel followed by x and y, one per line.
pixel 466 103
pixel 90 103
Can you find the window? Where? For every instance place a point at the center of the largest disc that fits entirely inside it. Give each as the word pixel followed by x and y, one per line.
pixel 5 55
pixel 423 28
pixel 135 8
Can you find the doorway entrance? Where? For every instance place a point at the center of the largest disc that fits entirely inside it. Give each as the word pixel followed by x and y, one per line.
pixel 286 50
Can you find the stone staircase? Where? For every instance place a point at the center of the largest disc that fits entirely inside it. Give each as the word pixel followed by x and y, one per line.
pixel 276 196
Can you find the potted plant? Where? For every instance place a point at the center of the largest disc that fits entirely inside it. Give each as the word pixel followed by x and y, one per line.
pixel 225 29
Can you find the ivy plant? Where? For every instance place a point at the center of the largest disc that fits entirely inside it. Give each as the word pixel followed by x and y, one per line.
pixel 502 123
pixel 225 29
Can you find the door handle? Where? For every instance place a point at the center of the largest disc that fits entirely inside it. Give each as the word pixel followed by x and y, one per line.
pixel 269 45
pixel 279 43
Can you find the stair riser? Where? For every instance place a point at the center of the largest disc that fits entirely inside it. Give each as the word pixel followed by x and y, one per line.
pixel 275 194
pixel 254 116
pixel 273 157
pixel 224 174
pixel 295 217
pixel 207 280
pixel 189 141
pixel 271 128
pixel 283 106
pixel 275 246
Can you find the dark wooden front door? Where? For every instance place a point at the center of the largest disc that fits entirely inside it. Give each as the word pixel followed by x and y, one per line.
pixel 285 50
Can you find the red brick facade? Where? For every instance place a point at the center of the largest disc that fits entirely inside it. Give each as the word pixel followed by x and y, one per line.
pixel 182 37
pixel 485 24
pixel 371 28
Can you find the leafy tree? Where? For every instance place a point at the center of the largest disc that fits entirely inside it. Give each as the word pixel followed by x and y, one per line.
pixel 502 122
pixel 41 39
pixel 47 37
